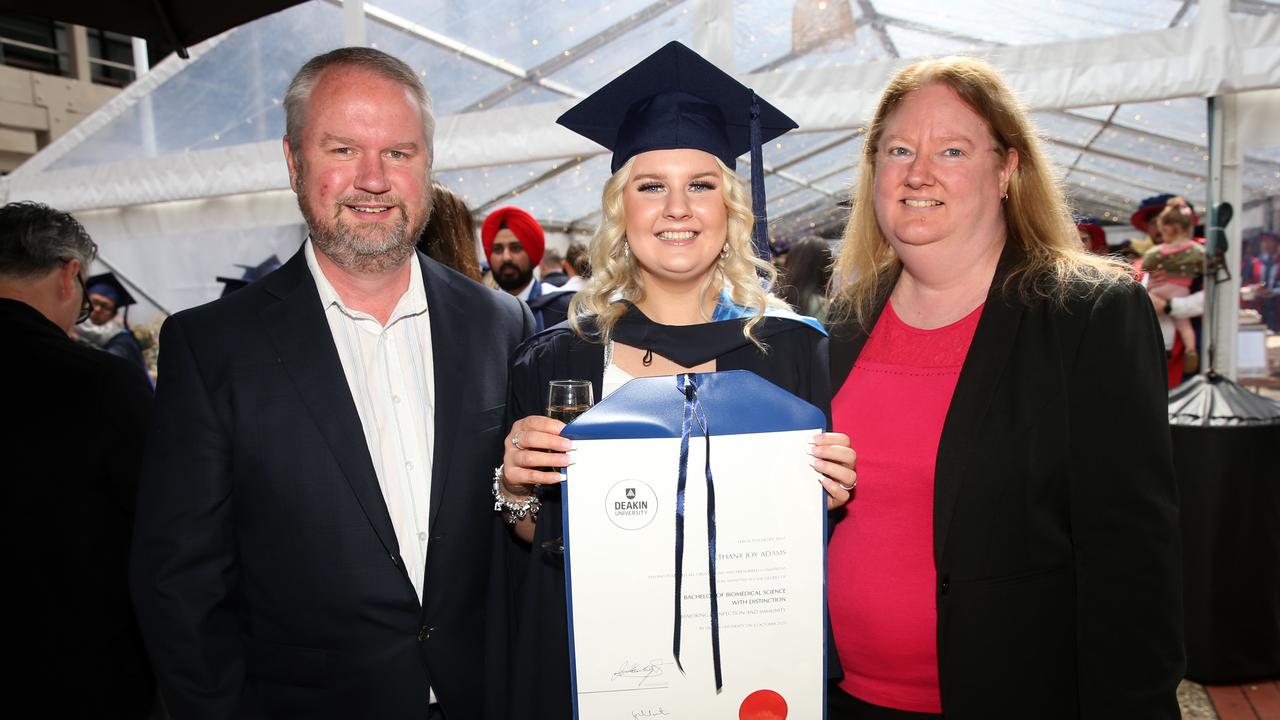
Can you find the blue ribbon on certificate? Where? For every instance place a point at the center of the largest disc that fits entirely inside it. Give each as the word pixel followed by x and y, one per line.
pixel 693 412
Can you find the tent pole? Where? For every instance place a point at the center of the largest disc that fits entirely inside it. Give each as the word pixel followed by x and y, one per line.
pixel 1221 324
pixel 353 30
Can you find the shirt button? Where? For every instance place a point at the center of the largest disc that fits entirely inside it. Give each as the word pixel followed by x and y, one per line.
pixel 422 537
pixel 395 399
pixel 408 465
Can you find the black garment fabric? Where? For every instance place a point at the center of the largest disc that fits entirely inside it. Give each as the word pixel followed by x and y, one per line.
pixel 557 278
pixel 551 308
pixel 124 345
pixel 1228 479
pixel 1059 590
pixel 73 454
pixel 266 568
pixel 796 361
pixel 843 706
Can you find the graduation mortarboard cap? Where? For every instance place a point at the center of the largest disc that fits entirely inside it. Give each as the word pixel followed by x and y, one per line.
pixel 251 273
pixel 675 99
pixel 108 285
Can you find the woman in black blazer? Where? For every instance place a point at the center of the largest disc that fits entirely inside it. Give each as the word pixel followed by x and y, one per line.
pixel 1005 391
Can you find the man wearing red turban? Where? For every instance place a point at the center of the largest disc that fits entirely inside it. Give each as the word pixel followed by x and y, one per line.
pixel 514 243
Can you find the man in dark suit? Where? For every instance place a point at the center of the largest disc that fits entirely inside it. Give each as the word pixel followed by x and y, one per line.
pixel 72 453
pixel 315 523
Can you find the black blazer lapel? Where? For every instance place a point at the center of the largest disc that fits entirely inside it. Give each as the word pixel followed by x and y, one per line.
pixel 307 351
pixel 449 333
pixel 983 368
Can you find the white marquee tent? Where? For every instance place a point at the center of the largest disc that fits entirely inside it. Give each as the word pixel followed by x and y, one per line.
pixel 182 176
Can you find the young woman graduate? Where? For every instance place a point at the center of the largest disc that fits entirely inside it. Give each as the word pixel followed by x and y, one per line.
pixel 676 287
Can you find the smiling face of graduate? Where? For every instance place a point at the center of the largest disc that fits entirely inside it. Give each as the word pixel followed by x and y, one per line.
pixel 676 216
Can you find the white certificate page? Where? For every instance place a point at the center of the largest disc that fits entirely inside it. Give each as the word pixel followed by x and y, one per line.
pixel 620 507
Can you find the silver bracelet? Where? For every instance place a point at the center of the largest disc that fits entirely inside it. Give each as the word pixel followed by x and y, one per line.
pixel 513 511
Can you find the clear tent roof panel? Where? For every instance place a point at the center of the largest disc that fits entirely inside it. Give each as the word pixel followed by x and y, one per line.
pixel 1182 119
pixel 815 33
pixel 782 153
pixel 1143 181
pixel 637 39
pixel 234 98
pixel 489 185
pixel 1260 179
pixel 525 33
pixel 833 158
pixel 566 197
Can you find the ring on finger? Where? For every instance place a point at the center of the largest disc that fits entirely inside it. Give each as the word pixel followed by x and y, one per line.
pixel 515 440
pixel 850 486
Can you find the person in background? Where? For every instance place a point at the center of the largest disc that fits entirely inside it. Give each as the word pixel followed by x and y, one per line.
pixel 106 328
pixel 807 277
pixel 449 237
pixel 551 269
pixel 577 266
pixel 1144 219
pixel 515 245
pixel 1171 267
pixel 1092 237
pixel 1002 557
pixel 73 454
pixel 1265 280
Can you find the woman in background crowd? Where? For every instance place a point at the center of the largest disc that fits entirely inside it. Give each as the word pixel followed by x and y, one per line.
pixel 449 237
pixel 807 277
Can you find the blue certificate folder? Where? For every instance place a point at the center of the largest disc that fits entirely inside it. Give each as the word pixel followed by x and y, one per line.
pixel 682 415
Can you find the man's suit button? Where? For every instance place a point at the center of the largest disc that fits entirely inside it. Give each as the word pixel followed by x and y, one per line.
pixel 424 633
pixel 946 584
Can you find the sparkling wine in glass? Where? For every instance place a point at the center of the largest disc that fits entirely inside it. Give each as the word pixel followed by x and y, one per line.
pixel 567 399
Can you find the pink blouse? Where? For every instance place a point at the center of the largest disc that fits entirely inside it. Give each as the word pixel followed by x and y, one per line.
pixel 880 571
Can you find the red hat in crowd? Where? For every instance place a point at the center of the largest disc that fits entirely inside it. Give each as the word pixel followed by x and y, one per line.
pixel 1152 206
pixel 526 229
pixel 1097 236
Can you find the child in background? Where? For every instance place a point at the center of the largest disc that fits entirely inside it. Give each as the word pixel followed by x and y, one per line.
pixel 1173 265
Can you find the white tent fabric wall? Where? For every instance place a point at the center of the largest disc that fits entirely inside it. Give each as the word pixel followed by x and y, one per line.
pixel 182 175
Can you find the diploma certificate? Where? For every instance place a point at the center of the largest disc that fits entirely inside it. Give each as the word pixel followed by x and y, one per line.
pixel 620 530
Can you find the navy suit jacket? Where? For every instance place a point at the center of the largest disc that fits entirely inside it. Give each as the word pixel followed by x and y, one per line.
pixel 265 568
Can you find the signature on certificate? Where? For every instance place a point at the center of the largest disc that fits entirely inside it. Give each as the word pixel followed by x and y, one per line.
pixel 649 713
pixel 639 671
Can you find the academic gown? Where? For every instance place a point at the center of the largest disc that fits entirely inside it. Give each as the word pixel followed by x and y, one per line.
pixel 796 361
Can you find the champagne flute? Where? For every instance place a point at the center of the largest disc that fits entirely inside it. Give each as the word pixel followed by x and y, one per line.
pixel 566 400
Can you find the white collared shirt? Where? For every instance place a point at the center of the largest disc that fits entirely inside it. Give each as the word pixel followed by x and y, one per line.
pixel 390 373
pixel 528 290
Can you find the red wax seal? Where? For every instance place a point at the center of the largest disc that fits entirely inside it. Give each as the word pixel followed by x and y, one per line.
pixel 763 705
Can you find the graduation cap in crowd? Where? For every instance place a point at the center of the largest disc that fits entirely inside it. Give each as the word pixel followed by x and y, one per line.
pixel 110 287
pixel 676 99
pixel 251 273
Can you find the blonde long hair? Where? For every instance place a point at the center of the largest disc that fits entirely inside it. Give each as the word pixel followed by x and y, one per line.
pixel 616 275
pixel 1038 223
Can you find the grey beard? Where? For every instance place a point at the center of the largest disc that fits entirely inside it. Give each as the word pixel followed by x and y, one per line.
pixel 365 255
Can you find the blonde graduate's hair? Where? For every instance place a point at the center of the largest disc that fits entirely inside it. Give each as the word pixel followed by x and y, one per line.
pixel 615 275
pixel 1038 223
